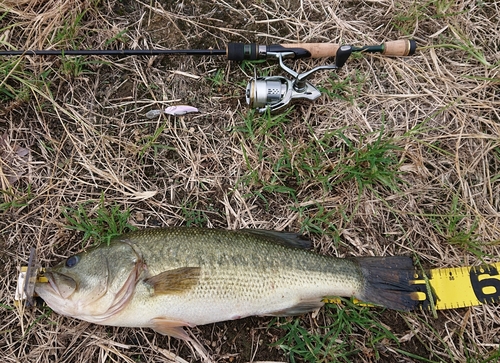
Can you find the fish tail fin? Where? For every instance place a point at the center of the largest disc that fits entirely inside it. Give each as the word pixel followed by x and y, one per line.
pixel 388 282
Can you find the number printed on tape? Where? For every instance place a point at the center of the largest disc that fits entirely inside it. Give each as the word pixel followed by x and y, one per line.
pixel 459 287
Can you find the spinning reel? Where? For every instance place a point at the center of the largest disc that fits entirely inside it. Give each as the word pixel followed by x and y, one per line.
pixel 277 92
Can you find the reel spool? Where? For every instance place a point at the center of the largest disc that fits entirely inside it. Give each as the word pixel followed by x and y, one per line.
pixel 277 92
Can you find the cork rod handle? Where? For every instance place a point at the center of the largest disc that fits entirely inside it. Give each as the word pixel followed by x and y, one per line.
pixel 402 47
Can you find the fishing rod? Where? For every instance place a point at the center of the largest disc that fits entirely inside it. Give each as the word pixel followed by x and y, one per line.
pixel 262 93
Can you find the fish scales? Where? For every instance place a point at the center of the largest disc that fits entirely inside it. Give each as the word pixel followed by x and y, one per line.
pixel 241 274
pixel 168 278
pixel 221 255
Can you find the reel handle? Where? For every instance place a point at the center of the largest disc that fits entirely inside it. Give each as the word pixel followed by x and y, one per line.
pixel 395 48
pixel 343 53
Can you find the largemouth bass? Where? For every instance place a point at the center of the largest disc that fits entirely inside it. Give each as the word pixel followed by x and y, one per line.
pixel 170 278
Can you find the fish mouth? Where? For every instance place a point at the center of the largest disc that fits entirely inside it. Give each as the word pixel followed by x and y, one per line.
pixel 61 284
pixel 51 282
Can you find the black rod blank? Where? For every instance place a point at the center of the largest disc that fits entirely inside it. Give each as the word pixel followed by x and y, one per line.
pixel 112 52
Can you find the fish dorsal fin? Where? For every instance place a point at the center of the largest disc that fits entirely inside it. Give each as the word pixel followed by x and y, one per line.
pixel 174 281
pixel 288 239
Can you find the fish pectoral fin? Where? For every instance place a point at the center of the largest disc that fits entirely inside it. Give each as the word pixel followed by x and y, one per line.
pixel 302 307
pixel 174 281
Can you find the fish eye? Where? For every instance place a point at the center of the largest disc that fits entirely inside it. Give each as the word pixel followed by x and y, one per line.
pixel 72 261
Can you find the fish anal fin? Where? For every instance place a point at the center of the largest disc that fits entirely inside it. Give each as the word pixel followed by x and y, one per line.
pixel 302 307
pixel 174 281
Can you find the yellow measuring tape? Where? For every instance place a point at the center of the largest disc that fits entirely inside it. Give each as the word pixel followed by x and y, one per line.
pixel 459 287
pixel 454 287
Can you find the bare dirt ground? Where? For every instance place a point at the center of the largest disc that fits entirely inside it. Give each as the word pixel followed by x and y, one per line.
pixel 398 156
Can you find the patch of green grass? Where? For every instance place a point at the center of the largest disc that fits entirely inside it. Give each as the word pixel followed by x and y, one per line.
pixel 277 163
pixel 344 88
pixel 449 226
pixel 18 83
pixel 15 84
pixel 68 33
pixel 260 131
pixel 407 18
pixel 13 200
pixel 369 164
pixel 312 160
pixel 468 241
pixel 460 41
pixel 100 224
pixel 120 38
pixel 289 164
pixel 468 48
pixel 218 79
pixel 318 219
pixel 150 142
pixel 250 65
pixel 75 66
pixel 193 216
pixel 334 342
pixel 68 37
pixel 267 125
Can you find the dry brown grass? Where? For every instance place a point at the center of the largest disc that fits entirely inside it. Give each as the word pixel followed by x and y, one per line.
pixel 86 131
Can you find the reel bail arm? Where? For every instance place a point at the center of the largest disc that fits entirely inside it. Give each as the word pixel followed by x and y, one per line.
pixel 277 92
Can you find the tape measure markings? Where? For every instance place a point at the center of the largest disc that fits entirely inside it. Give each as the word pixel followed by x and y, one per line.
pixel 458 287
